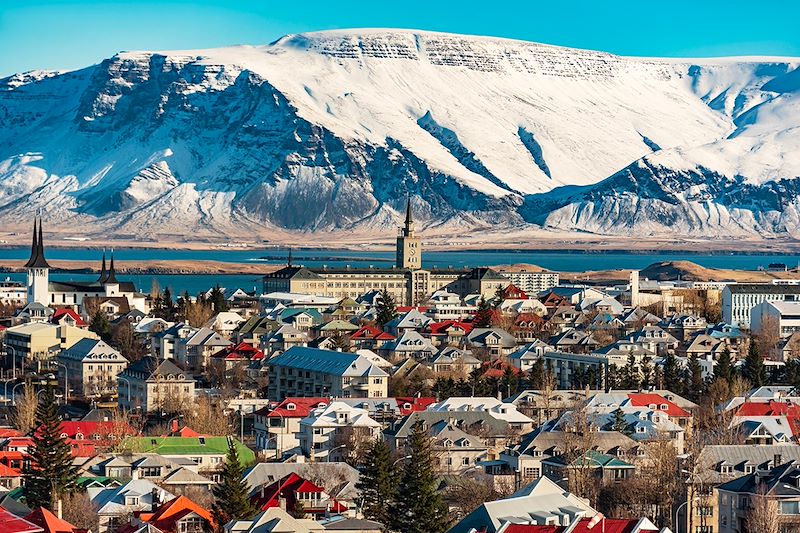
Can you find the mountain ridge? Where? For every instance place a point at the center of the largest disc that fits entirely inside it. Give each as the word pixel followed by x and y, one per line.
pixel 331 131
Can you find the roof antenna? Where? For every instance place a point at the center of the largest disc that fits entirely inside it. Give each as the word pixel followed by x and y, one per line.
pixel 289 258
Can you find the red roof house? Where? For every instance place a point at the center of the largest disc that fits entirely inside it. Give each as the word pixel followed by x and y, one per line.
pixel 293 408
pixel 49 522
pixel 408 405
pixel 586 525
pixel 239 352
pixel 658 402
pixel 293 488
pixel 370 337
pixel 68 316
pixel 10 523
pixel 180 515
pixel 512 292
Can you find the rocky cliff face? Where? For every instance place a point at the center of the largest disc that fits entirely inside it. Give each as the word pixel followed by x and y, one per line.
pixel 332 131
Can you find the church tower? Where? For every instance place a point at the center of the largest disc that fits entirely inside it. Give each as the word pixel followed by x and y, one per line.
pixel 409 251
pixel 38 270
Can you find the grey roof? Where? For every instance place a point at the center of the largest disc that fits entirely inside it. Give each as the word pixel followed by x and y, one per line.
pixel 325 361
pixel 184 476
pixel 338 479
pixel 151 368
pixel 762 457
pixel 465 420
pixel 478 336
pixel 338 523
pixel 781 481
pixel 763 288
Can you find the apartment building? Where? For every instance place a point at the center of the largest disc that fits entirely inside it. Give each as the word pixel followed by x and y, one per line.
pixel 302 372
pixel 150 384
pixel 330 432
pixel 738 299
pixel 91 367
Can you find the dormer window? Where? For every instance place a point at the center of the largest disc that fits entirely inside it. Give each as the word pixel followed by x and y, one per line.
pixel 131 500
pixel 664 407
pixel 292 407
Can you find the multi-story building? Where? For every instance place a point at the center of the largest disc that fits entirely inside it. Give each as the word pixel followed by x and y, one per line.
pixel 301 371
pixel 91 367
pixel 40 341
pixel 531 282
pixel 150 384
pixel 331 432
pixel 566 365
pixel 782 317
pixel 13 292
pixel 738 299
pixel 780 485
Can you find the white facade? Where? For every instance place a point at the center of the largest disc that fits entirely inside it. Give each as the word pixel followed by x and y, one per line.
pixel 324 436
pixel 783 315
pixel 739 299
pixel 532 282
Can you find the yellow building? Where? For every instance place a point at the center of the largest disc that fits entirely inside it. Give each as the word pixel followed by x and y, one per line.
pixel 41 341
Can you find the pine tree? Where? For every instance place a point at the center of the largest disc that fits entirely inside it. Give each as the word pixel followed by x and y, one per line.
pixel 483 316
pixel 618 422
pixel 101 325
pixel 499 297
pixel 672 378
pixel 378 482
pixel 646 370
pixel 386 308
pixel 217 299
pixel 694 378
pixel 50 474
pixel 419 507
pixel 724 366
pixel 754 370
pixel 630 374
pixel 231 494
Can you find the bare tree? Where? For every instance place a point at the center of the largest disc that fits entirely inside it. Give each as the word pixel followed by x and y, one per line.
pixel 207 417
pixel 768 335
pixel 580 438
pixel 762 517
pixel 78 510
pixel 356 442
pixel 24 417
pixel 196 314
pixel 467 494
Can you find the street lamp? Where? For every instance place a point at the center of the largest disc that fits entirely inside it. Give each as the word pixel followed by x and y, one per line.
pixel 328 458
pixel 128 383
pixel 13 360
pixel 14 393
pixel 401 459
pixel 678 510
pixel 66 380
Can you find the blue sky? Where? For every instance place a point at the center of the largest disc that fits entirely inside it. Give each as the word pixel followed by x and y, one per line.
pixel 65 34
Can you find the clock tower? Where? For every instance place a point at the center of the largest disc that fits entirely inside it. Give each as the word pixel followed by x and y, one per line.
pixel 409 251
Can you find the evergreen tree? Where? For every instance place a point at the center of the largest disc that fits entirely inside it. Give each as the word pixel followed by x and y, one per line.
pixel 168 305
pixel 613 377
pixel 646 370
pixel 418 507
pixel 386 308
pixel 340 342
pixel 483 316
pixel 50 474
pixel 724 367
pixel 509 385
pixel 101 325
pixel 630 374
pixel 618 422
pixel 231 494
pixel 378 482
pixel 754 369
pixel 499 297
pixel 671 373
pixel 217 299
pixel 694 378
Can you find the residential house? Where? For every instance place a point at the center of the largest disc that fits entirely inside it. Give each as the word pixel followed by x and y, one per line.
pixel 291 490
pixel 91 367
pixel 495 342
pixel 276 428
pixel 150 384
pixel 115 504
pixel 332 431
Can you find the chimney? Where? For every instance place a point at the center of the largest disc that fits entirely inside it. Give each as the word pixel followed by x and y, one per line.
pixel 156 500
pixel 174 428
pixel 777 460
pixel 58 509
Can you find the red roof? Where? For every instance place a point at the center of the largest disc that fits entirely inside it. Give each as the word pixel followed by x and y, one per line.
pixel 369 332
pixel 440 328
pixel 511 292
pixel 302 407
pixel 645 399
pixel 406 308
pixel 7 471
pixel 49 522
pixel 497 368
pixel 240 352
pixel 166 517
pixel 10 523
pixel 415 405
pixel 59 314
pixel 771 408
pixel 89 430
pixel 608 525
pixel 530 318
pixel 8 432
pixel 288 488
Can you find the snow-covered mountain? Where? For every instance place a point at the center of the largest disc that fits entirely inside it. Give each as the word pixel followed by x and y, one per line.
pixel 332 130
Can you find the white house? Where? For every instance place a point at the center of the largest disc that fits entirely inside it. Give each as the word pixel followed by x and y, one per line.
pixel 327 432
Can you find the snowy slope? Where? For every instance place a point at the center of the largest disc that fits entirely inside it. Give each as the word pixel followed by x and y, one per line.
pixel 331 131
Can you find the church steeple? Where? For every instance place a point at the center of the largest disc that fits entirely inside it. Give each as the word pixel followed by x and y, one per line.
pixel 103 273
pixel 112 274
pixel 37 259
pixel 409 249
pixel 408 228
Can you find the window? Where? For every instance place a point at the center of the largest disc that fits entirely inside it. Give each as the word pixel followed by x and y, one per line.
pixel 465 461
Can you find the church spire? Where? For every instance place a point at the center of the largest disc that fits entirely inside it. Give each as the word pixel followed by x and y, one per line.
pixel 289 258
pixel 409 220
pixel 112 274
pixel 37 259
pixel 103 274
